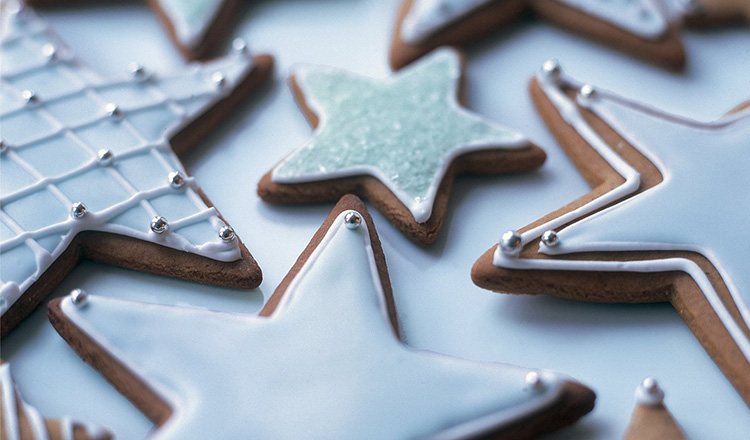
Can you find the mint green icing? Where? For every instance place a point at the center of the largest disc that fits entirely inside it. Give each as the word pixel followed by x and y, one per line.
pixel 404 130
pixel 190 18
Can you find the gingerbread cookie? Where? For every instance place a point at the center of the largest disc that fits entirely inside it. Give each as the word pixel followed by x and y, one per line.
pixel 716 12
pixel 323 359
pixel 651 419
pixel 197 27
pixel 665 220
pixel 398 141
pixel 636 27
pixel 21 421
pixel 88 171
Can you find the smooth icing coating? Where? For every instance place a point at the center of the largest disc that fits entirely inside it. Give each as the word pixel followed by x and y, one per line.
pixel 640 17
pixel 14 409
pixel 52 145
pixel 404 130
pixel 697 207
pixel 191 18
pixel 325 364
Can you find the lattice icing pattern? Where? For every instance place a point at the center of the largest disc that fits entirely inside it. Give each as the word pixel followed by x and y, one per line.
pixel 80 152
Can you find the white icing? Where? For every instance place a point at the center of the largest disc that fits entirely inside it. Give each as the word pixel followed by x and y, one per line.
pixel 640 17
pixel 404 130
pixel 325 364
pixel 191 18
pixel 11 401
pixel 50 158
pixel 697 206
pixel 649 397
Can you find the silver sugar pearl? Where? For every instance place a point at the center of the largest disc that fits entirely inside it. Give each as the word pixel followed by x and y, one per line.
pixel 534 382
pixel 78 210
pixel 159 225
pixel 239 45
pixel 30 97
pixel 79 297
pixel 105 157
pixel 176 179
pixel 550 238
pixel 352 220
pixel 14 7
pixel 510 243
pixel 551 69
pixel 138 71
pixel 587 91
pixel 226 233
pixel 49 51
pixel 650 385
pixel 219 79
pixel 113 111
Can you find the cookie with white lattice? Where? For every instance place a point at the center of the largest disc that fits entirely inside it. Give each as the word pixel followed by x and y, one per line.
pixel 90 166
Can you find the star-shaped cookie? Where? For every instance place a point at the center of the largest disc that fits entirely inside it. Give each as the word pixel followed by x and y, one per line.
pixel 637 27
pixel 665 221
pixel 398 141
pixel 323 359
pixel 21 421
pixel 89 171
pixel 197 27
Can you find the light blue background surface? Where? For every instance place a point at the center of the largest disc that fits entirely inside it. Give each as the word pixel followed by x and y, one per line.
pixel 609 347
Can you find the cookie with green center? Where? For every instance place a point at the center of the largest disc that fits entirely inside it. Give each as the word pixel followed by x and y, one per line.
pixel 398 141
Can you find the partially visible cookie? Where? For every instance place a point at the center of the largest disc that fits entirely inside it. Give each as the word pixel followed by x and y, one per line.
pixel 716 12
pixel 652 420
pixel 636 27
pixel 197 27
pixel 323 360
pixel 666 219
pixel 21 421
pixel 399 142
pixel 89 168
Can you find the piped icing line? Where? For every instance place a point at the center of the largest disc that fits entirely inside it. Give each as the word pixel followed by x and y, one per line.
pixel 642 18
pixel 12 403
pixel 446 63
pixel 553 90
pixel 40 80
pixel 334 308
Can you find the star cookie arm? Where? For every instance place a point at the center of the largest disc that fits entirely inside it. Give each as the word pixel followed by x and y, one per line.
pixel 116 192
pixel 702 13
pixel 651 419
pixel 21 421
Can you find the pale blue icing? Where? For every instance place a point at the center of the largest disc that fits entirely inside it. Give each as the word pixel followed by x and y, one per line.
pixel 191 18
pixel 327 364
pixel 404 130
pixel 51 147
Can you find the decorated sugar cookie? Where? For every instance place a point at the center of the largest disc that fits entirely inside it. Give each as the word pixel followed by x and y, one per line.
pixel 652 420
pixel 21 421
pixel 637 27
pixel 665 220
pixel 323 359
pixel 398 141
pixel 88 169
pixel 197 27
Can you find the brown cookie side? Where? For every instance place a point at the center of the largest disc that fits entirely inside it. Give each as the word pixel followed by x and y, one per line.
pixel 667 51
pixel 709 13
pixel 477 24
pixel 622 287
pixel 653 422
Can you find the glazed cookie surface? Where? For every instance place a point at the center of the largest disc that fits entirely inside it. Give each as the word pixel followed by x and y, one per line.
pixel 323 360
